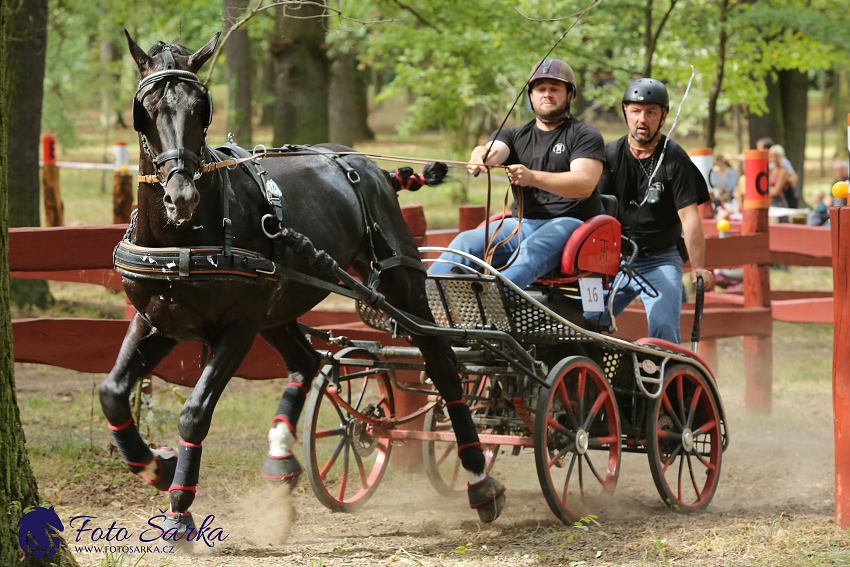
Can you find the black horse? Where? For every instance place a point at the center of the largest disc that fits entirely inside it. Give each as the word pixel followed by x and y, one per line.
pixel 201 219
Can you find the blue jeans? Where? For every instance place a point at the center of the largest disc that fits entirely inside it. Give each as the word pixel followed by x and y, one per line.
pixel 664 272
pixel 542 246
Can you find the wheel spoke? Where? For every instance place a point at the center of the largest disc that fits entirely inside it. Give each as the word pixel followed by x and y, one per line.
pixel 693 480
pixel 361 470
pixel 668 407
pixel 362 393
pixel 449 450
pixel 455 470
pixel 567 480
pixel 681 467
pixel 328 465
pixel 672 435
pixel 342 418
pixel 680 391
pixel 671 458
pixel 595 409
pixel 710 466
pixel 694 404
pixel 593 470
pixel 705 427
pixel 581 480
pixel 343 478
pixel 553 423
pixel 329 432
pixel 582 383
pixel 561 453
pixel 568 408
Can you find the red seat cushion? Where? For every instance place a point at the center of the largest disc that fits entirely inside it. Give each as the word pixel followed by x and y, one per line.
pixel 593 247
pixel 661 343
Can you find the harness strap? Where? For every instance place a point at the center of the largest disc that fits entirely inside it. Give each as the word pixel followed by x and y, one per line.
pixel 394 261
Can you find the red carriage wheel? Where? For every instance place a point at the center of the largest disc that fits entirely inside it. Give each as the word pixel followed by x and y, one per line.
pixel 684 440
pixel 343 461
pixel 440 458
pixel 577 439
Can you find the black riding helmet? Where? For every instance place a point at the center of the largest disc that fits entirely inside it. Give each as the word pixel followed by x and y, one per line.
pixel 647 91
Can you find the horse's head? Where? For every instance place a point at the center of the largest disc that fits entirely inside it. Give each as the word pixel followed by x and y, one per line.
pixel 172 110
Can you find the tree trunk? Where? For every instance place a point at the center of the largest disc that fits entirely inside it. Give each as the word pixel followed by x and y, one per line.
pixel 770 124
pixel 794 94
pixel 239 75
pixel 267 88
pixel 840 108
pixel 111 81
pixel 348 106
pixel 24 80
pixel 302 77
pixel 18 488
pixel 717 86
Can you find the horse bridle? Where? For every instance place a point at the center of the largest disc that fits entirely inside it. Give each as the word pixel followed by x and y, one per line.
pixel 182 155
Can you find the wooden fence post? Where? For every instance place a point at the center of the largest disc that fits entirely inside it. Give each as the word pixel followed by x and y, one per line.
pixel 54 209
pixel 758 350
pixel 839 220
pixel 122 185
pixel 470 216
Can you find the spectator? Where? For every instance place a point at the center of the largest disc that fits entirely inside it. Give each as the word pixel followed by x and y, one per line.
pixel 820 213
pixel 779 178
pixel 840 167
pixel 766 144
pixel 723 178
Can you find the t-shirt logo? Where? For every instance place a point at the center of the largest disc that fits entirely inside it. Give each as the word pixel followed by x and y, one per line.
pixel 559 148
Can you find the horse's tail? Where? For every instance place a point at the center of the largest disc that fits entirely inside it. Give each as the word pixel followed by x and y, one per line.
pixel 403 178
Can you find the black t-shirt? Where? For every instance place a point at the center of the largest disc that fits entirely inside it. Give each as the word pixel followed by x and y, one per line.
pixel 552 151
pixel 654 227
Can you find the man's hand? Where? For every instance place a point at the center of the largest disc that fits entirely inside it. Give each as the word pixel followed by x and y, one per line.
pixel 476 160
pixel 520 175
pixel 706 275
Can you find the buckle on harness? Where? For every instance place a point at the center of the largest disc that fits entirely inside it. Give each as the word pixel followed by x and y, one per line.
pixel 353 176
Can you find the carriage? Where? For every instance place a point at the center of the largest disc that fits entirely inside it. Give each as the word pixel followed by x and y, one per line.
pixel 533 379
pixel 228 244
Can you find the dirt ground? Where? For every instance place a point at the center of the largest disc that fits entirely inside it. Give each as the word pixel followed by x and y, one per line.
pixel 776 488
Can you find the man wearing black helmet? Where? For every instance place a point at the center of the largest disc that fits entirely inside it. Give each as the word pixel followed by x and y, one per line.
pixel 553 163
pixel 658 189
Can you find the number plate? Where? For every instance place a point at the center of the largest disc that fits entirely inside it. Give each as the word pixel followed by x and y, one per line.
pixel 591 294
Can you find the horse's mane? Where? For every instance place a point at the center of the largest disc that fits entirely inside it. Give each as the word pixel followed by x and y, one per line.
pixel 175 47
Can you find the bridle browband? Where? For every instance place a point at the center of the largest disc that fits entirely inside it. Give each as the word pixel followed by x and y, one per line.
pixel 182 155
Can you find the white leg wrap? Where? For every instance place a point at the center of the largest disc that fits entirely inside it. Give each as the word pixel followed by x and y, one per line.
pixel 473 478
pixel 281 439
pixel 149 472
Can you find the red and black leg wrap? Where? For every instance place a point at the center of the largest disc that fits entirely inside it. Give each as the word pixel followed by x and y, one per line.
pixel 291 404
pixel 188 467
pixel 468 445
pixel 135 452
pixel 403 178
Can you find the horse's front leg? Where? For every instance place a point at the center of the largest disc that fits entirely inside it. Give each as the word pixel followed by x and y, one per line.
pixel 228 351
pixel 302 362
pixel 143 348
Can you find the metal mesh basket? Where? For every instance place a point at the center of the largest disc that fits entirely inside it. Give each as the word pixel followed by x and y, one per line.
pixel 533 325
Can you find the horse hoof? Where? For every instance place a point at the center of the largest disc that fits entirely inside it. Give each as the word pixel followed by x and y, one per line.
pixel 166 460
pixel 487 497
pixel 179 530
pixel 282 469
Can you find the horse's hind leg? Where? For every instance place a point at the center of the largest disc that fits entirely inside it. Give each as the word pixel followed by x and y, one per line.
pixel 302 362
pixel 405 289
pixel 141 351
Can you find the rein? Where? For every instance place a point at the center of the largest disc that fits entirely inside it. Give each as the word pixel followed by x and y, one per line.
pixel 260 152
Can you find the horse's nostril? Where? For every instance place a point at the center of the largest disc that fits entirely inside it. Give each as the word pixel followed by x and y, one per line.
pixel 167 199
pixel 196 200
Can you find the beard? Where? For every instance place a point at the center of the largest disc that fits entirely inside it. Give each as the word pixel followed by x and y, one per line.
pixel 556 114
pixel 643 138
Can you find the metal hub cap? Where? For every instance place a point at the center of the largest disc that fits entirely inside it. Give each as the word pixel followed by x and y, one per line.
pixel 688 440
pixel 582 441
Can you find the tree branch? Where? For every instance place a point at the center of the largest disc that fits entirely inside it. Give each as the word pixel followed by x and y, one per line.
pixel 417 15
pixel 260 8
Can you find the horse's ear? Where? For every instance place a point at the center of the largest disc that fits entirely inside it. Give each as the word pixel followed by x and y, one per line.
pixel 141 59
pixel 197 59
